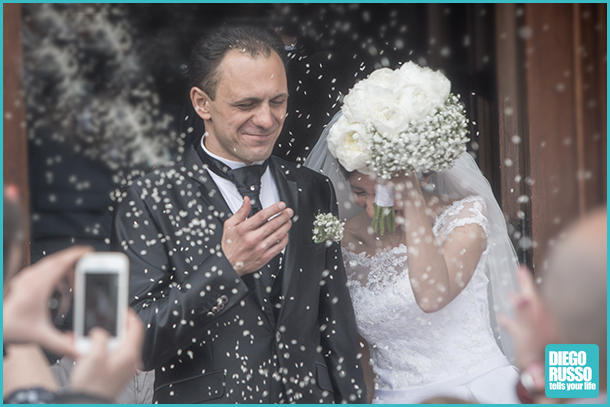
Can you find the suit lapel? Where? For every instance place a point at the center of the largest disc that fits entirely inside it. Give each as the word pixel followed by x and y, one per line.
pixel 288 192
pixel 210 193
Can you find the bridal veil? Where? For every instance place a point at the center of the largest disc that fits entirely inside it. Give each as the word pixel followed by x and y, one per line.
pixel 462 180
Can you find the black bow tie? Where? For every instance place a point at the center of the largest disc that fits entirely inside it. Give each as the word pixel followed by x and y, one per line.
pixel 247 179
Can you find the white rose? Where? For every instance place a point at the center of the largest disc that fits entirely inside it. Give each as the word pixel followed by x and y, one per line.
pixel 425 90
pixel 349 143
pixel 416 102
pixel 356 106
pixel 389 117
pixel 383 78
pixel 381 86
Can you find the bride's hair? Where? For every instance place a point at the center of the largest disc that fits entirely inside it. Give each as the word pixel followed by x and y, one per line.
pixel 346 174
pixel 421 176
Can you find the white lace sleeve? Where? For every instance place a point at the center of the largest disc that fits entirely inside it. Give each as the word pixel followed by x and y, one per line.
pixel 467 211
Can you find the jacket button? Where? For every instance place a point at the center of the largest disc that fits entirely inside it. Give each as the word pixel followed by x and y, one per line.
pixel 214 309
pixel 224 299
pixel 278 336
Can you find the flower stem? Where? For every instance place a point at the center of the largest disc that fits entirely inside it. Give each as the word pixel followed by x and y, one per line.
pixel 384 217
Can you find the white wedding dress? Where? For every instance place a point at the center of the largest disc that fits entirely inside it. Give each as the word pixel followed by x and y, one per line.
pixel 417 355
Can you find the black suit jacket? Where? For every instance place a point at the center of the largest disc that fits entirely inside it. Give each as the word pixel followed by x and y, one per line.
pixel 208 336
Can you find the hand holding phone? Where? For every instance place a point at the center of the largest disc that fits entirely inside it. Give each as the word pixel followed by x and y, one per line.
pixel 106 374
pixel 100 297
pixel 26 316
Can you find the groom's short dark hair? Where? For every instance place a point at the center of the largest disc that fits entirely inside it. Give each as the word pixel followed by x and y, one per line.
pixel 209 52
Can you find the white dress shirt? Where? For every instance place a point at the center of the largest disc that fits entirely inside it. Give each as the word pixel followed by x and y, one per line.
pixel 269 194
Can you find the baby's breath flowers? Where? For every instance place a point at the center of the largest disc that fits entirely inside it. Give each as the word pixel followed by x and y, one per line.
pixel 432 143
pixel 399 121
pixel 327 228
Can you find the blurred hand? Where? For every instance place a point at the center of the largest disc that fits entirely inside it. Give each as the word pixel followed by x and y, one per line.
pixel 26 314
pixel 103 373
pixel 26 366
pixel 531 328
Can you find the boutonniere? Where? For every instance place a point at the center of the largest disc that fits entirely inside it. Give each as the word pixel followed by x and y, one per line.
pixel 327 228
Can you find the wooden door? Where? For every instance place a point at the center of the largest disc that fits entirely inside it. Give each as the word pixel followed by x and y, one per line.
pixel 551 74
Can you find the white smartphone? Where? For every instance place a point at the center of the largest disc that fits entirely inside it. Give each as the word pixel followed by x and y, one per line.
pixel 100 297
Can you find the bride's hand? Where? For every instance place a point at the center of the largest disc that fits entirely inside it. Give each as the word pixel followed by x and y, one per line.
pixel 406 186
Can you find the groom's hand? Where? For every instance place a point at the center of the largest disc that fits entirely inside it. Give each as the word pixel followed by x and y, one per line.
pixel 249 243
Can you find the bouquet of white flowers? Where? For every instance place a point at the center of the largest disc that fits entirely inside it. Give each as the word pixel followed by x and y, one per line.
pixel 327 228
pixel 396 121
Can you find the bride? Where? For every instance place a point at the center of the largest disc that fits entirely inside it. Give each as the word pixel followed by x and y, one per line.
pixel 426 295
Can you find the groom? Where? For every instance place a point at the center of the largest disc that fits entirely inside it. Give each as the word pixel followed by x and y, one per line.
pixel 240 305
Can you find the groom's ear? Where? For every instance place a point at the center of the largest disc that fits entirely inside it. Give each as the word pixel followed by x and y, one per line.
pixel 201 103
